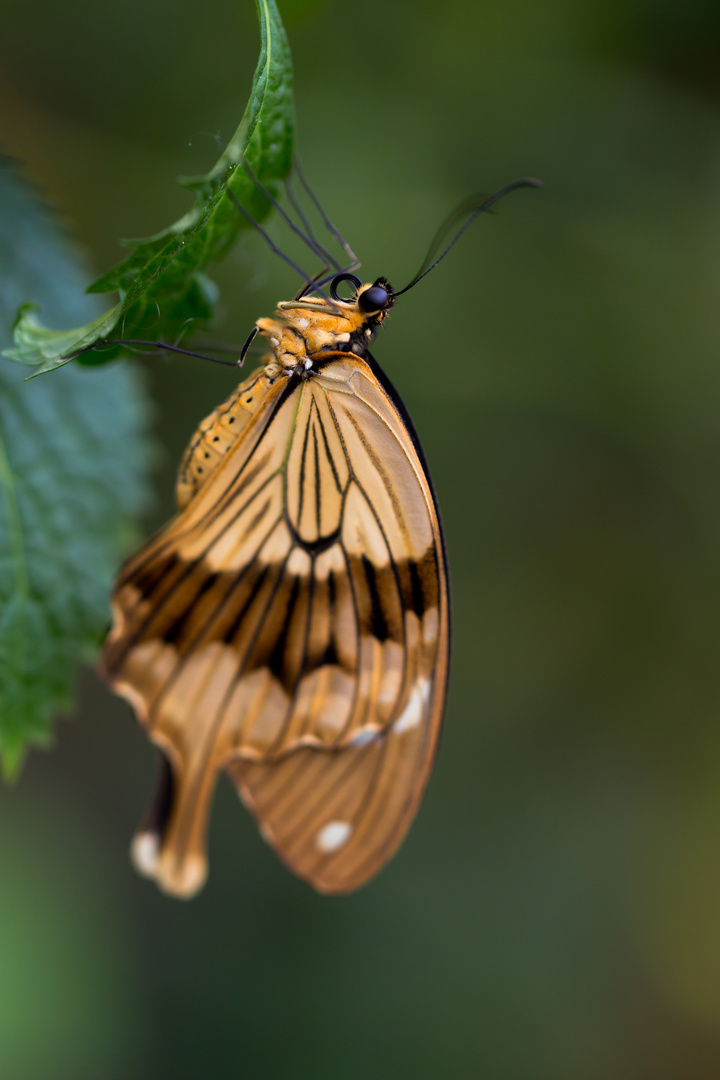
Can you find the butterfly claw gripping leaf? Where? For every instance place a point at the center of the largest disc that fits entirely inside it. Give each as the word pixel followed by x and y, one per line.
pixel 290 625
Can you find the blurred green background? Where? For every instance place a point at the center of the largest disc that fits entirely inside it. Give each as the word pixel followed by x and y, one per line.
pixel 555 912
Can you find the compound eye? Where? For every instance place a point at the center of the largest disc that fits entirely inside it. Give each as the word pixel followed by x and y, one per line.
pixel 373 299
pixel 355 282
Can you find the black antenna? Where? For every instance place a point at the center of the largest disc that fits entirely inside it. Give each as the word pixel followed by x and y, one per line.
pixel 474 209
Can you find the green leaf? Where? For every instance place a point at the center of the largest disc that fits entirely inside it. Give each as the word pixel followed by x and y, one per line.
pixel 164 273
pixel 38 346
pixel 72 472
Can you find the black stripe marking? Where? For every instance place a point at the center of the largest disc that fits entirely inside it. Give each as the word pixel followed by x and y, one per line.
pixel 302 667
pixel 173 632
pixel 418 598
pixel 317 480
pixel 276 659
pixel 328 452
pixel 303 455
pixel 378 623
pixel 229 635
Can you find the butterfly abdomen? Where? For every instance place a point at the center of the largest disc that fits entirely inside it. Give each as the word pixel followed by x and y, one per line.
pixel 217 434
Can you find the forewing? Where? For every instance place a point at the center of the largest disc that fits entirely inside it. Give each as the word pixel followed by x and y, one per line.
pixel 291 625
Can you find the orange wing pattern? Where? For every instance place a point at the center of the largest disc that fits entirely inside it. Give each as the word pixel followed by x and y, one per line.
pixel 291 627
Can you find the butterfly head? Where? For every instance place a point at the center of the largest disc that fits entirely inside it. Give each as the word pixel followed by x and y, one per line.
pixel 371 302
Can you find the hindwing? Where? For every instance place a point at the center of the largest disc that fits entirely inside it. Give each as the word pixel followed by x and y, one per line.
pixel 290 626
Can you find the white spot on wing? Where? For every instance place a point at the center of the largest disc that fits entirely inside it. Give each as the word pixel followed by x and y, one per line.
pixel 333 835
pixel 412 714
pixel 302 323
pixel 144 853
pixel 363 737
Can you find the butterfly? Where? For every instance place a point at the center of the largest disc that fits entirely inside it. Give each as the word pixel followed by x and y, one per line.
pixel 291 625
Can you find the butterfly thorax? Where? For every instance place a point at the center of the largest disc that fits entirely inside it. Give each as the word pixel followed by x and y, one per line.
pixel 303 330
